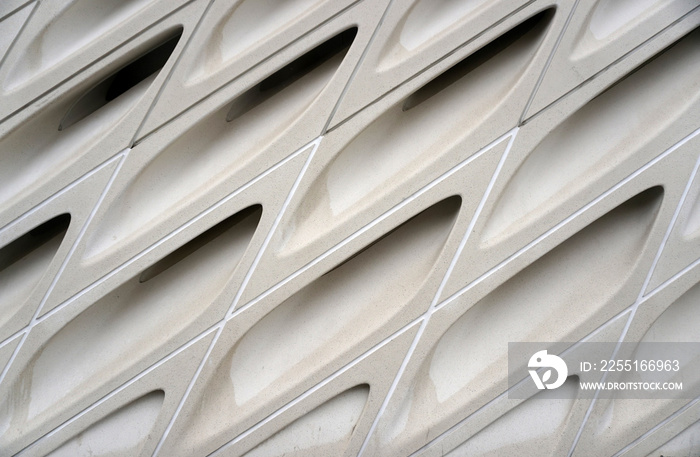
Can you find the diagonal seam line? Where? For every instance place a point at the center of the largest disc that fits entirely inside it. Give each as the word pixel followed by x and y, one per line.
pixel 39 207
pixel 332 377
pixel 68 187
pixel 493 401
pixel 540 79
pixel 145 251
pixel 658 427
pixel 120 160
pixel 88 65
pixel 671 226
pixel 169 76
pixel 625 56
pixel 431 308
pixel 373 223
pixel 21 29
pixel 16 9
pixel 274 226
pixel 185 345
pixel 219 328
pixel 198 338
pixel 477 213
pixel 567 220
pixel 359 63
pixel 227 84
pixel 351 364
pixel 176 232
pixel 214 327
pixel 424 319
pixel 123 387
pixel 672 279
pixel 669 230
pixel 434 64
pixel 222 323
pixel 640 296
pixel 593 402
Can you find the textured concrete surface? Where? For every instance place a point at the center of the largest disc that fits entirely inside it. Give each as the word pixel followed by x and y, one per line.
pixel 254 227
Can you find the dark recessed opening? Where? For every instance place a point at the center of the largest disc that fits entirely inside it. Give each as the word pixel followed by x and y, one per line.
pixel 36 237
pixel 649 197
pixel 453 203
pixel 531 29
pixel 291 73
pixel 122 80
pixel 198 242
pixel 646 62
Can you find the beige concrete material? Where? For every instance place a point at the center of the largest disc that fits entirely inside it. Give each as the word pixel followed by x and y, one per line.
pixel 169 312
pixel 572 153
pixel 10 25
pixel 533 427
pixel 219 266
pixel 460 107
pixel 39 156
pixel 681 247
pixel 62 38
pixel 325 234
pixel 11 6
pixel 124 430
pixel 668 435
pixel 334 420
pixel 666 316
pixel 448 36
pixel 311 227
pixel 37 245
pixel 201 430
pixel 436 390
pixel 331 325
pixel 218 60
pixel 538 426
pixel 93 429
pixel 7 349
pixel 600 33
pixel 682 444
pixel 229 197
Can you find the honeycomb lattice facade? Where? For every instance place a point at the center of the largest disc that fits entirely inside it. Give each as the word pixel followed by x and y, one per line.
pixel 311 227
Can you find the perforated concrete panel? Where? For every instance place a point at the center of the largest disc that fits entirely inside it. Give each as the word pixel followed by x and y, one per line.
pixel 312 227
